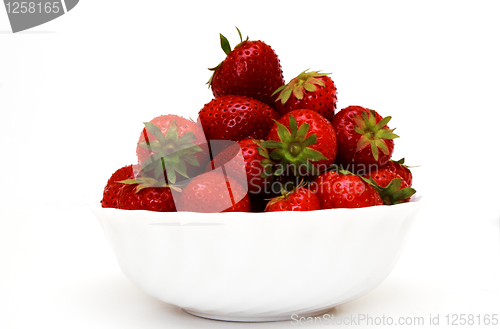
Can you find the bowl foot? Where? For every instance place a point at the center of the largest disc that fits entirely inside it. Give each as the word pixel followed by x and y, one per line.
pixel 269 318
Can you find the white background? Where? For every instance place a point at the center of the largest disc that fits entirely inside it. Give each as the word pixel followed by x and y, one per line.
pixel 75 91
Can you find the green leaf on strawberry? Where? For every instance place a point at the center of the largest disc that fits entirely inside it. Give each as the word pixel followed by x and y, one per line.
pixel 373 133
pixel 145 182
pixel 293 148
pixel 400 161
pixel 224 43
pixel 304 81
pixel 169 152
pixel 393 193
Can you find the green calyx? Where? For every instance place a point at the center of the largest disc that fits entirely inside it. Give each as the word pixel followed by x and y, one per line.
pixel 305 81
pixel 401 162
pixel 226 47
pixel 293 148
pixel 145 182
pixel 170 153
pixel 392 193
pixel 373 133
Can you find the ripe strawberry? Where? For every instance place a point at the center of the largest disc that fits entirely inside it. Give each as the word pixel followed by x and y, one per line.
pixel 254 171
pixel 309 90
pixel 113 187
pixel 384 176
pixel 214 192
pixel 171 145
pixel 322 183
pixel 236 118
pixel 391 187
pixel 133 197
pixel 299 199
pixel 399 168
pixel 252 69
pixel 361 133
pixel 302 141
pixel 344 190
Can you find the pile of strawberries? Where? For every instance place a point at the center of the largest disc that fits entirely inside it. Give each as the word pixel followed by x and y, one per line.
pixel 263 145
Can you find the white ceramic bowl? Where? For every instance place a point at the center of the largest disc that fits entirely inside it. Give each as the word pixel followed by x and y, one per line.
pixel 258 266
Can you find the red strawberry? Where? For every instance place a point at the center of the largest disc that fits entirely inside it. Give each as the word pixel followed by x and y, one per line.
pixel 302 141
pixel 362 134
pixel 344 190
pixel 299 199
pixel 309 90
pixel 214 192
pixel 236 118
pixel 384 176
pixel 392 188
pixel 252 69
pixel 113 187
pixel 399 168
pixel 133 197
pixel 171 145
pixel 322 183
pixel 251 170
